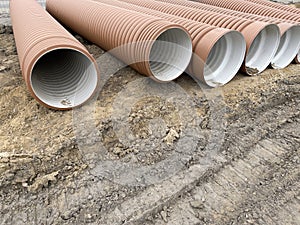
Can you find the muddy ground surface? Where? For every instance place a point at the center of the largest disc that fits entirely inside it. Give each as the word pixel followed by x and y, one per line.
pixel 243 167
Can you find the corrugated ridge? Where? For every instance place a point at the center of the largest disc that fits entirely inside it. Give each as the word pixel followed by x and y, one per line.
pixel 257 9
pixel 110 27
pixel 199 36
pixel 276 6
pixel 37 34
pixel 253 8
pixel 251 30
pixel 288 49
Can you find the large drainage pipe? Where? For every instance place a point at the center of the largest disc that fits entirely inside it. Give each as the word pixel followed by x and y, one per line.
pixel 253 8
pixel 283 8
pixel 218 53
pixel 262 38
pixel 276 6
pixel 58 71
pixel 290 32
pixel 111 27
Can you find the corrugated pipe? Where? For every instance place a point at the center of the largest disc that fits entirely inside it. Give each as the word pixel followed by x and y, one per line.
pixel 262 38
pixel 290 32
pixel 58 71
pixel 218 52
pixel 253 8
pixel 283 8
pixel 276 6
pixel 111 27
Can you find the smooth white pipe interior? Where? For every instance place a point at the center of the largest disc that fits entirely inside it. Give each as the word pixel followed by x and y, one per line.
pixel 225 59
pixel 262 49
pixel 64 78
pixel 287 49
pixel 170 54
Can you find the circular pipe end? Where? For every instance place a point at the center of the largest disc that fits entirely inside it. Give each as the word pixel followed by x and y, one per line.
pixel 287 49
pixel 63 78
pixel 225 59
pixel 262 49
pixel 170 54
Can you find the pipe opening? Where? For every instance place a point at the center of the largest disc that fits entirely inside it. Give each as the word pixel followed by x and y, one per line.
pixel 64 78
pixel 225 59
pixel 170 54
pixel 262 50
pixel 288 48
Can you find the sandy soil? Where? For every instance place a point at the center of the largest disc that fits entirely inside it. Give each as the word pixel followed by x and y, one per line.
pixel 47 172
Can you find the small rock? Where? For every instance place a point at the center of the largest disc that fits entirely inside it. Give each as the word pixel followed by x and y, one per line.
pixel 171 136
pixel 9 29
pixel 2 68
pixel 2 29
pixel 255 215
pixel 42 181
pixel 163 215
pixel 24 184
pixel 197 204
pixel 88 216
pixel 118 151
pixel 66 216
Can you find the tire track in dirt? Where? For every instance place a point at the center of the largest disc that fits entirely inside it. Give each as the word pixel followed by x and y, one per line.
pixel 225 194
pixel 289 213
pixel 155 200
pixel 77 206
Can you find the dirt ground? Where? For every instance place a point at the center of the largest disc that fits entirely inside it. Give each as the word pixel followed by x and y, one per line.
pixel 46 177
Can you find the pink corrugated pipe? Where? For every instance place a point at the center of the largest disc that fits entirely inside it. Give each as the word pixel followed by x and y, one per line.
pixel 276 5
pixel 290 31
pixel 58 71
pixel 111 27
pixel 218 53
pixel 262 38
pixel 253 8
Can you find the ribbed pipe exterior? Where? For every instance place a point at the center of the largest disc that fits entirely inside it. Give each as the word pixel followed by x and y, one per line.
pixel 276 6
pixel 111 27
pixel 258 9
pixel 290 31
pixel 283 8
pixel 41 41
pixel 206 39
pixel 253 8
pixel 254 32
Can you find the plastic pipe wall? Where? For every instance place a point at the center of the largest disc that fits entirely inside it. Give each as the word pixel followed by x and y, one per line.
pixel 253 8
pixel 290 32
pixel 58 71
pixel 262 38
pixel 276 6
pixel 218 53
pixel 158 48
pixel 258 9
pixel 283 8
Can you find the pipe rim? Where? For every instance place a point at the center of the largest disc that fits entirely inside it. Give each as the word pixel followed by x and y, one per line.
pixel 225 59
pixel 68 91
pixel 287 49
pixel 175 48
pixel 262 49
